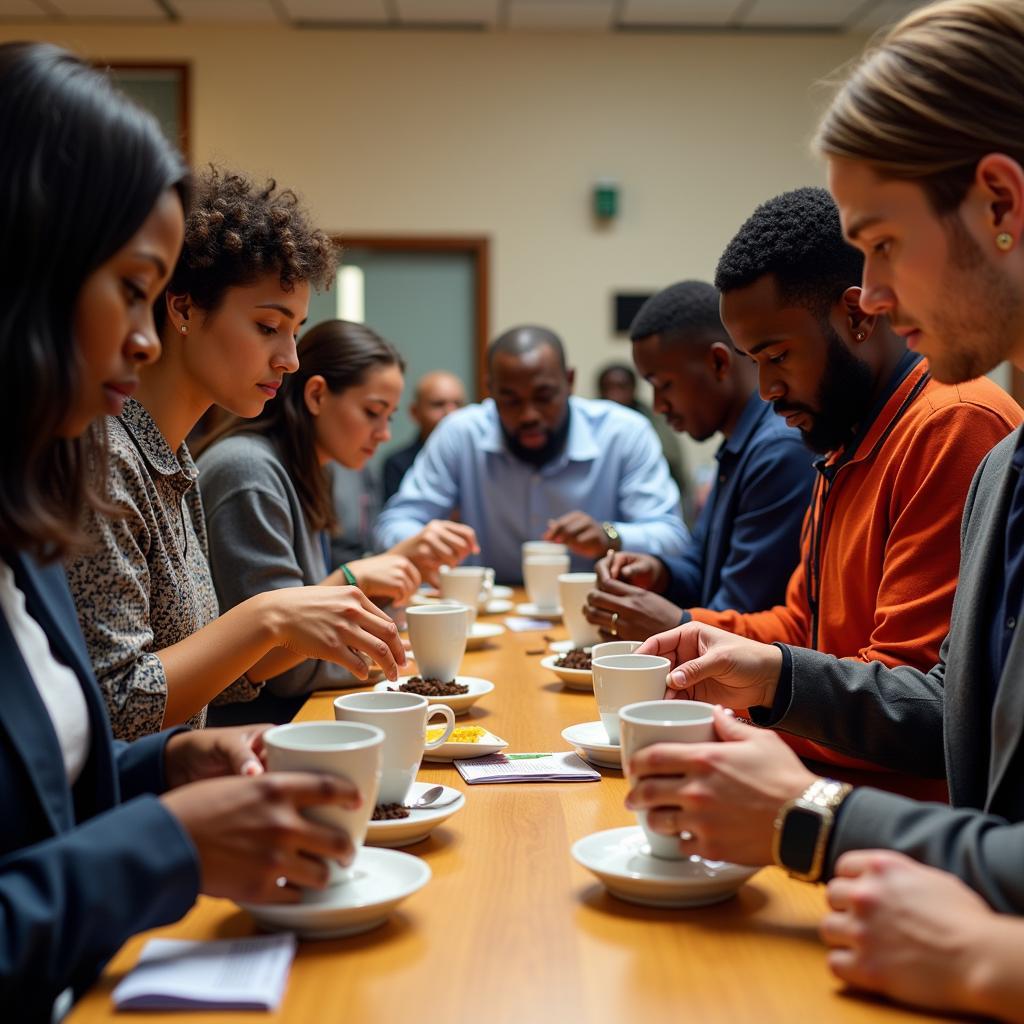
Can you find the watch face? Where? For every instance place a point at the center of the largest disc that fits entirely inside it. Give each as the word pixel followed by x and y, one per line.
pixel 799 837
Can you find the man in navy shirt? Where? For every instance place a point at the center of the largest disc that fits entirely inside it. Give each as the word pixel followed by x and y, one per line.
pixel 747 539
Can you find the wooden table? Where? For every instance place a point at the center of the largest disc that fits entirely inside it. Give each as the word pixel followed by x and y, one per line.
pixel 511 930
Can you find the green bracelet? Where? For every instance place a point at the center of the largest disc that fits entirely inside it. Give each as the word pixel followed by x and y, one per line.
pixel 350 577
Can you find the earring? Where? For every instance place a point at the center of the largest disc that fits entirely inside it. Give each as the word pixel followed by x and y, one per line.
pixel 184 328
pixel 1004 241
pixel 860 335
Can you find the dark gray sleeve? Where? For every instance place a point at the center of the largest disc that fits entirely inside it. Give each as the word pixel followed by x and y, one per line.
pixel 889 716
pixel 984 850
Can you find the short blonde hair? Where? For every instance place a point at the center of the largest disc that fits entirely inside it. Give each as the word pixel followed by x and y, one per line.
pixel 934 95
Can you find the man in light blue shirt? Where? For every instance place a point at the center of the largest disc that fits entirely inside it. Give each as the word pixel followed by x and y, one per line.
pixel 534 463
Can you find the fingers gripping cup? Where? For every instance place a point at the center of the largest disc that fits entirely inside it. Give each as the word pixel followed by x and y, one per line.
pixel 403 718
pixel 347 749
pixel 663 721
pixel 622 679
pixel 438 637
pixel 573 588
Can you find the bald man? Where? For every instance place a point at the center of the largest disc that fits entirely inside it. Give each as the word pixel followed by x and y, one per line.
pixel 437 394
pixel 534 462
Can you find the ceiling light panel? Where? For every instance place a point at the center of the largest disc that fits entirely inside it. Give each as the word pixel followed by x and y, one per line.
pixel 133 10
pixel 567 15
pixel 338 11
pixel 452 12
pixel 888 12
pixel 225 10
pixel 705 13
pixel 21 9
pixel 800 13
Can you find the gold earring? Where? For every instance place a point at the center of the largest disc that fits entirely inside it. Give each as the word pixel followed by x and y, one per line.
pixel 1004 241
pixel 860 335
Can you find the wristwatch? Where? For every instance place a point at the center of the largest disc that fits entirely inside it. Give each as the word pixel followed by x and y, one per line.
pixel 614 540
pixel 803 828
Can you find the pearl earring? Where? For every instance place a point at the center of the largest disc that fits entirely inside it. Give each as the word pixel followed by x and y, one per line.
pixel 1004 241
pixel 184 328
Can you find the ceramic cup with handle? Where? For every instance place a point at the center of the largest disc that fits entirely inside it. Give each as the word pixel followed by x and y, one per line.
pixel 403 717
pixel 540 577
pixel 611 647
pixel 351 750
pixel 663 721
pixel 543 547
pixel 470 585
pixel 621 679
pixel 437 633
pixel 573 588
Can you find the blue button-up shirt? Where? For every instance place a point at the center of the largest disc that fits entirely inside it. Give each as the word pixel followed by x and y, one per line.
pixel 611 468
pixel 746 543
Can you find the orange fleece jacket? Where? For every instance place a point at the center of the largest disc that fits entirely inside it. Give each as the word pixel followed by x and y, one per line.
pixel 888 527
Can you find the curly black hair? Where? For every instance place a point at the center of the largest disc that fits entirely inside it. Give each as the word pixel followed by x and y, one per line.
pixel 684 311
pixel 796 237
pixel 237 231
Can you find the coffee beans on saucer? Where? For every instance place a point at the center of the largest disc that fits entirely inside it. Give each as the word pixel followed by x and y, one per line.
pixel 577 658
pixel 389 812
pixel 431 687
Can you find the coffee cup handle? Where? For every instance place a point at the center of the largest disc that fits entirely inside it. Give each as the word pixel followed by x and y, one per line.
pixel 449 717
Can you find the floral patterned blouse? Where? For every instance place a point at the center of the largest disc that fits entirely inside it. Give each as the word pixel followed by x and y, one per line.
pixel 146 583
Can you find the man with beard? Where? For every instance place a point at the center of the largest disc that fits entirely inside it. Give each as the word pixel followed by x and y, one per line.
pixel 898 450
pixel 533 463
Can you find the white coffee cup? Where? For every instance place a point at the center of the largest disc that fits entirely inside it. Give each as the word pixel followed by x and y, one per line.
pixel 470 585
pixel 621 679
pixel 403 717
pixel 349 749
pixel 437 633
pixel 543 547
pixel 610 647
pixel 663 721
pixel 540 576
pixel 573 588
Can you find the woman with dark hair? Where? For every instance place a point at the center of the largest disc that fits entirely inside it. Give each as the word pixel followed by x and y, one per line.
pixel 145 598
pixel 91 214
pixel 267 494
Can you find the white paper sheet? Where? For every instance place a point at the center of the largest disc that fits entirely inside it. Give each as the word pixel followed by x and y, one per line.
pixel 560 767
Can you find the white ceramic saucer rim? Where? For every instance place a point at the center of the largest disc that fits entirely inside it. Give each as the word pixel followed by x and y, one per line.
pixel 421 815
pixel 587 744
pixel 501 592
pixel 497 606
pixel 531 611
pixel 571 674
pixel 486 630
pixel 441 755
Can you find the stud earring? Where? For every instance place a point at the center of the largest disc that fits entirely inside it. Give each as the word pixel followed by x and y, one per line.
pixel 1004 241
pixel 184 328
pixel 860 335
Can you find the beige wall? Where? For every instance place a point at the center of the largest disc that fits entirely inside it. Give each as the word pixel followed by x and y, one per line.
pixel 503 134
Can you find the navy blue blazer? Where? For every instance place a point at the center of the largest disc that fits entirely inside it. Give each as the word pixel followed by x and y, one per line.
pixel 80 870
pixel 746 543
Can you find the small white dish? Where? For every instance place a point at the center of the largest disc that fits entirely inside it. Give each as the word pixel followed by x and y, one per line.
pixel 448 752
pixel 574 678
pixel 419 824
pixel 563 647
pixel 481 633
pixel 502 592
pixel 381 880
pixel 459 703
pixel 497 606
pixel 531 611
pixel 620 858
pixel 422 597
pixel 591 742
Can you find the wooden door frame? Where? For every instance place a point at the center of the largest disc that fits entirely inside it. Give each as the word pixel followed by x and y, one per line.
pixel 478 247
pixel 184 73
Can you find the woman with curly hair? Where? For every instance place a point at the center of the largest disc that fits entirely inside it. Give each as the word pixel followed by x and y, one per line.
pixel 145 597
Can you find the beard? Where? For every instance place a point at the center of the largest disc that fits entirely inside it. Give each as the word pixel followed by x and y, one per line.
pixel 541 456
pixel 845 396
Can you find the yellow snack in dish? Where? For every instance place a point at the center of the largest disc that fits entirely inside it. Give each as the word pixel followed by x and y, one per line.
pixel 463 734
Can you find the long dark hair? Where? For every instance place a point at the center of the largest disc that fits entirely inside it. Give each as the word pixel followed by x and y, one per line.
pixel 341 352
pixel 81 168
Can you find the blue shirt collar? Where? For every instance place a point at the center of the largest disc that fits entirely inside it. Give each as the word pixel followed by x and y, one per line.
pixel 753 413
pixel 579 446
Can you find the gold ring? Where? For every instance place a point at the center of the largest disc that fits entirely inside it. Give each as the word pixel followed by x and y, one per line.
pixel 615 624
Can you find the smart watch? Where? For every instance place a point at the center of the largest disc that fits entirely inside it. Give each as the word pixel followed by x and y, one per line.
pixel 614 540
pixel 803 827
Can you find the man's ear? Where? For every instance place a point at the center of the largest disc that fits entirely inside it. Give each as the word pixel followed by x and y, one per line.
pixel 570 378
pixel 314 393
pixel 861 324
pixel 719 357
pixel 998 193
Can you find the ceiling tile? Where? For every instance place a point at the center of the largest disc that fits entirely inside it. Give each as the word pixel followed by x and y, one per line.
pixel 458 12
pixel 132 10
pixel 225 10
pixel 705 13
pixel 338 11
pixel 885 13
pixel 21 9
pixel 800 13
pixel 570 15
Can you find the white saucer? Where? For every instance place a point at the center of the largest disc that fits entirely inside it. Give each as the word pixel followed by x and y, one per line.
pixel 502 592
pixel 447 752
pixel 563 647
pixel 620 859
pixel 481 633
pixel 419 824
pixel 459 703
pixel 574 678
pixel 497 606
pixel 531 611
pixel 383 878
pixel 423 598
pixel 590 741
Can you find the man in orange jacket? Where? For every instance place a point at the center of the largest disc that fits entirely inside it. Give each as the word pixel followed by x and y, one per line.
pixel 880 545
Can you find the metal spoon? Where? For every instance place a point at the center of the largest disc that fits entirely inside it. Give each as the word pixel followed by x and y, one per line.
pixel 430 799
